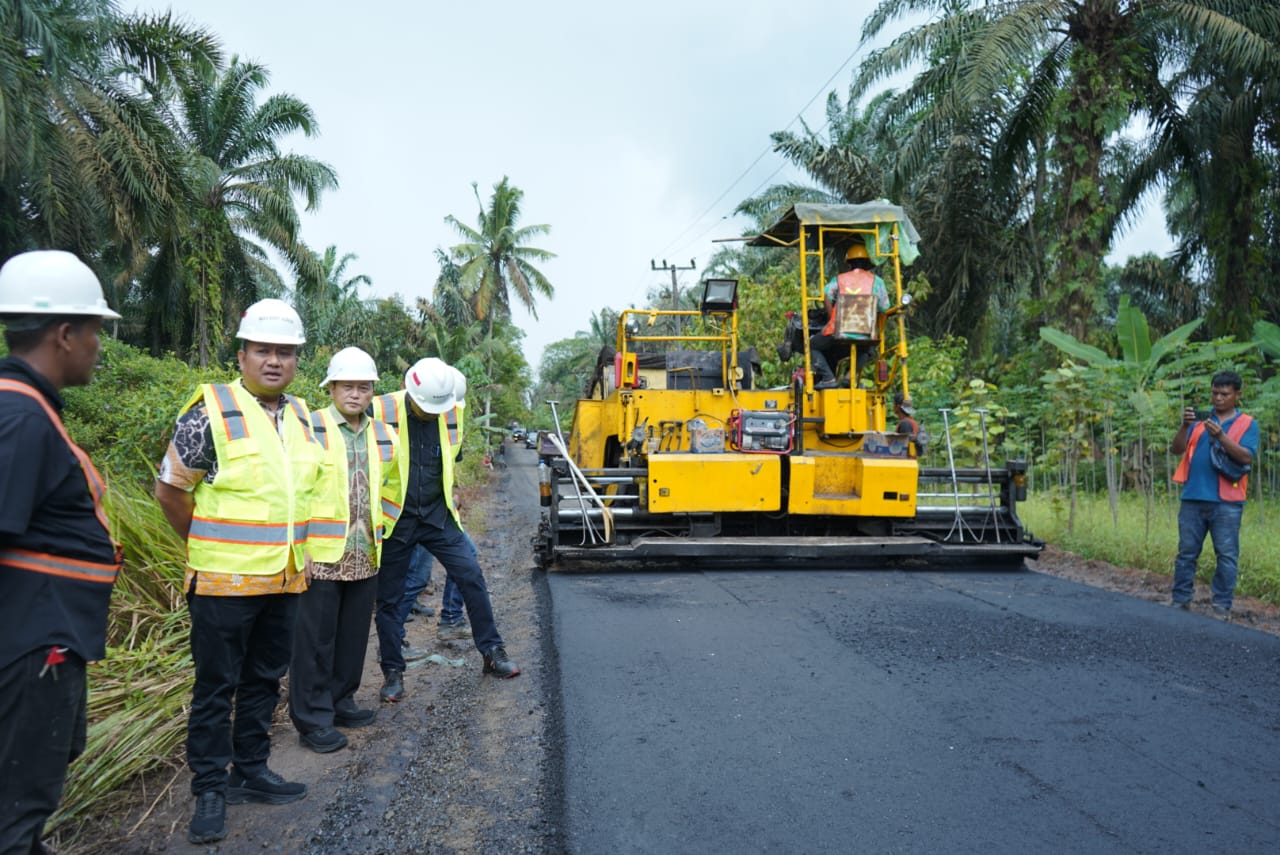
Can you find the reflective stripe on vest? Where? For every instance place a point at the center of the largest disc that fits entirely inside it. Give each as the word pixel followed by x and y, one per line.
pixel 232 417
pixel 93 480
pixel 301 413
pixel 1228 491
pixel 391 510
pixel 319 431
pixel 58 565
pixel 385 447
pixel 451 424
pixel 387 409
pixel 225 531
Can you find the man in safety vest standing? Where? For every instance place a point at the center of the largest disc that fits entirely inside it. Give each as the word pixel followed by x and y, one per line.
pixel 236 484
pixel 452 625
pixel 853 299
pixel 57 559
pixel 1212 502
pixel 428 442
pixel 344 540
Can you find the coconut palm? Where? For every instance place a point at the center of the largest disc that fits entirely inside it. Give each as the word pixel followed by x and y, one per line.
pixel 495 262
pixel 212 260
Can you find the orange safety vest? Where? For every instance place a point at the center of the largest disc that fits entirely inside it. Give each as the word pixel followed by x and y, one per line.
pixel 851 283
pixel 58 565
pixel 1228 491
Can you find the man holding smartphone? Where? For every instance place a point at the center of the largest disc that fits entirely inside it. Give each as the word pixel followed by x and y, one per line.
pixel 1212 501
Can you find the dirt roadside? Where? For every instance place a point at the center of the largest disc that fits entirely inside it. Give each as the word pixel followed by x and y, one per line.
pixel 1146 585
pixel 466 764
pixel 461 765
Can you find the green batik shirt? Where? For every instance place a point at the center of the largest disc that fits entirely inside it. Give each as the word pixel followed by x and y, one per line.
pixel 357 561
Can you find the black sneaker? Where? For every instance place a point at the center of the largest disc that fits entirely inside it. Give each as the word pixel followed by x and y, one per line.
pixel 209 821
pixel 497 663
pixel 1185 605
pixel 392 687
pixel 350 715
pixel 267 788
pixel 323 740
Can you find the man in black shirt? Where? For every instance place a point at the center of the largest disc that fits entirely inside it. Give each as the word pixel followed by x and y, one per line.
pixel 57 560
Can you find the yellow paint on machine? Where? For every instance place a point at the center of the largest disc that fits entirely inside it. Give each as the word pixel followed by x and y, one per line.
pixel 688 483
pixel 845 485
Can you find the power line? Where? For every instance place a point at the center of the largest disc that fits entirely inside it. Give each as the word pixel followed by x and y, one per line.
pixel 768 148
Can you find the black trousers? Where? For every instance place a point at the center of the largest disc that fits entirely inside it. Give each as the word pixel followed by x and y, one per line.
pixel 241 648
pixel 329 643
pixel 452 549
pixel 43 730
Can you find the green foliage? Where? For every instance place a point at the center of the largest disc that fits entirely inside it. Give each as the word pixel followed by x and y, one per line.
pixel 124 418
pixel 139 693
pixel 1127 541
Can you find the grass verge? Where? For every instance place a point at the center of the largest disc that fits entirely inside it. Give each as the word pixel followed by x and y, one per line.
pixel 1144 534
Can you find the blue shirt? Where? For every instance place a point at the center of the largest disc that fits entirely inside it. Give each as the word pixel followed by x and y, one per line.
pixel 1202 478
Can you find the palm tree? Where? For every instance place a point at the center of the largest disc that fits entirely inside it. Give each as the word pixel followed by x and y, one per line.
pixel 86 159
pixel 1214 146
pixel 330 305
pixel 1078 66
pixel 495 260
pixel 211 261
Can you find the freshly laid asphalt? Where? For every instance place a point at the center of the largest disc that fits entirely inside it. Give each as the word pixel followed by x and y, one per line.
pixel 831 711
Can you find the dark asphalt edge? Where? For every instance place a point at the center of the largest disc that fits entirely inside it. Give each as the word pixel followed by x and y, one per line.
pixel 556 838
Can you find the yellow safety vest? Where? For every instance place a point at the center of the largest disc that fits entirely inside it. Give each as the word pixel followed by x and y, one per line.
pixel 255 514
pixel 331 506
pixel 392 409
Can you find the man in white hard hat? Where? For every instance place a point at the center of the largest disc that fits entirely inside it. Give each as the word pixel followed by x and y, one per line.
pixel 236 484
pixel 57 560
pixel 345 542
pixel 428 444
pixel 452 625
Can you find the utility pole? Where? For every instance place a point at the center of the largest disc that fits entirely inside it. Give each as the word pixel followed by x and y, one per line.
pixel 675 289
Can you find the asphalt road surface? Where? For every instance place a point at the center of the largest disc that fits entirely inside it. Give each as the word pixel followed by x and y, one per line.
pixel 831 711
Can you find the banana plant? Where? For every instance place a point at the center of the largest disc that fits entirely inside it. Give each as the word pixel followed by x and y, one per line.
pixel 1141 363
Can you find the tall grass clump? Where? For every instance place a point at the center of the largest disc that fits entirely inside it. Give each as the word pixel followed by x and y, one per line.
pixel 139 692
pixel 1144 534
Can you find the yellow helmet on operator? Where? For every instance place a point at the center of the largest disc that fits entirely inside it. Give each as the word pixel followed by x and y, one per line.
pixel 858 250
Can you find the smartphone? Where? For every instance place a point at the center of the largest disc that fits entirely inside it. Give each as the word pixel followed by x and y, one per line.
pixel 1203 415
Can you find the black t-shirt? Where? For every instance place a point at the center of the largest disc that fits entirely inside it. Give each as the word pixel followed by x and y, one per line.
pixel 46 508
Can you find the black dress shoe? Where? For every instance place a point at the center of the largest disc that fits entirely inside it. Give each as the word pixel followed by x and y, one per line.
pixel 323 740
pixel 354 717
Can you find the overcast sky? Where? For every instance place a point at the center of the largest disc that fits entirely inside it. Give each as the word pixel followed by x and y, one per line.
pixel 633 130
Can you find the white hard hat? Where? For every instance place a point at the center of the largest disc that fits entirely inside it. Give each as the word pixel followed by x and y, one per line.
pixel 459 386
pixel 430 383
pixel 271 321
pixel 351 363
pixel 50 282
